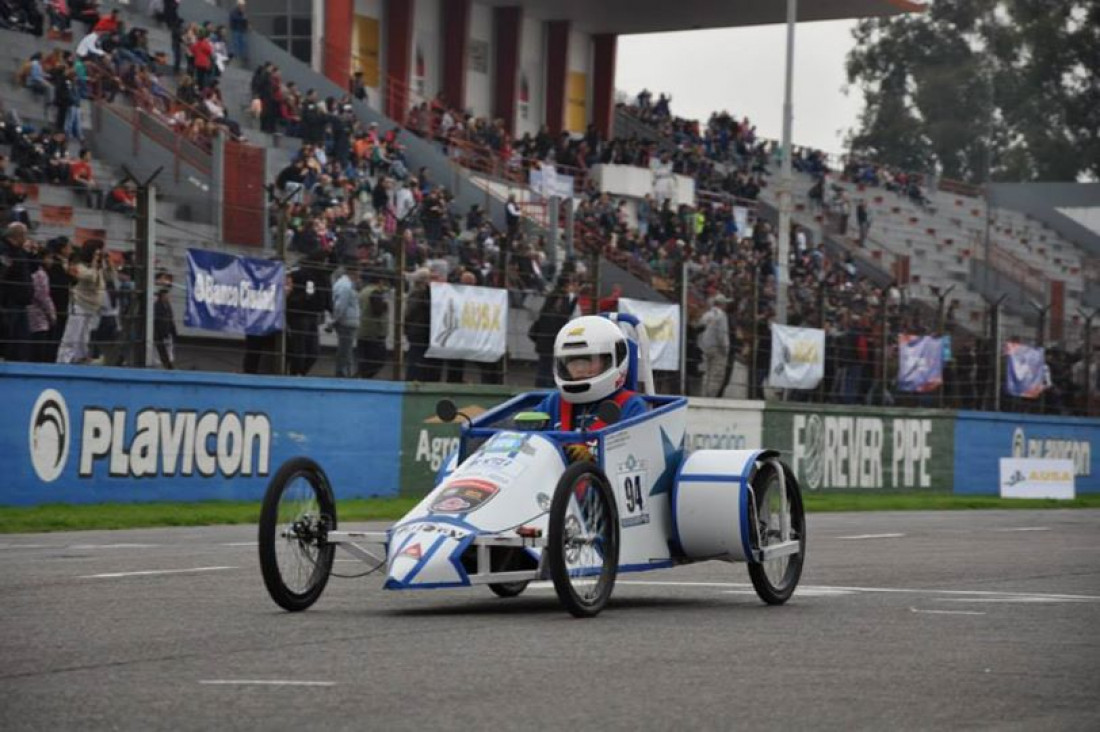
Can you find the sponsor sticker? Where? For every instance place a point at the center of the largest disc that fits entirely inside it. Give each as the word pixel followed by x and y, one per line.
pixel 464 495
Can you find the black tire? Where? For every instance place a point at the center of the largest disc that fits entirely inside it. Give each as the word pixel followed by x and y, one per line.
pixel 508 589
pixel 297 514
pixel 598 510
pixel 775 580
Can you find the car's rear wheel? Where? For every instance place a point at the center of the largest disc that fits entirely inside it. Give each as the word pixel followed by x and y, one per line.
pixel 297 514
pixel 582 550
pixel 776 579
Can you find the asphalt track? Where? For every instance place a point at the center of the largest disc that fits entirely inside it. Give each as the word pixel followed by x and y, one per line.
pixel 954 620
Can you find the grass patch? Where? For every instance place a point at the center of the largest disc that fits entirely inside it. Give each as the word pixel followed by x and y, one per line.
pixel 68 517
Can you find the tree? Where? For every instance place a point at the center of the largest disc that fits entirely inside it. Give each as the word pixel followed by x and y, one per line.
pixel 1009 84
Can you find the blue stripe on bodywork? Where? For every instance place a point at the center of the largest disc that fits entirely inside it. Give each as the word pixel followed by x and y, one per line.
pixel 423 561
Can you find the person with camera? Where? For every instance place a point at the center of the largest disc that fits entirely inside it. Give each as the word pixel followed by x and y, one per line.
pixel 89 273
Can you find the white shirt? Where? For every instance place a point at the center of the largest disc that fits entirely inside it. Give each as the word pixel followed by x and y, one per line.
pixel 89 44
pixel 716 330
pixel 403 202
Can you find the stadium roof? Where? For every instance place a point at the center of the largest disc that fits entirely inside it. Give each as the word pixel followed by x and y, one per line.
pixel 658 16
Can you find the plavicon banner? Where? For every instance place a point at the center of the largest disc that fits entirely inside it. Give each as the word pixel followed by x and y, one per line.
pixel 89 435
pixel 234 294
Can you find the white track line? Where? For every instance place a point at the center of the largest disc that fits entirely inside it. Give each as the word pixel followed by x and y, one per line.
pixel 151 572
pixel 944 612
pixel 1024 528
pixel 264 682
pixel 240 543
pixel 821 590
pixel 872 536
pixel 112 546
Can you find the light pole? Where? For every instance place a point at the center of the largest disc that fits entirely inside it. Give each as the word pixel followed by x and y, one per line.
pixel 783 236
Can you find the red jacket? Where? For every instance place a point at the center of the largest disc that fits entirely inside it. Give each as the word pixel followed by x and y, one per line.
pixel 202 52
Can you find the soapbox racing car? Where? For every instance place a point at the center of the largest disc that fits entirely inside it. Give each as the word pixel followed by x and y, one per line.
pixel 509 508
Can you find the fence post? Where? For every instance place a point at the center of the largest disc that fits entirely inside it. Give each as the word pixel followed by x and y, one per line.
pixel 995 342
pixel 683 328
pixel 885 347
pixel 399 307
pixel 280 248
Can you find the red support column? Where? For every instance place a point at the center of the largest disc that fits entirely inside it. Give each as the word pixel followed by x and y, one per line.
pixel 603 83
pixel 336 53
pixel 507 32
pixel 399 25
pixel 557 61
pixel 456 31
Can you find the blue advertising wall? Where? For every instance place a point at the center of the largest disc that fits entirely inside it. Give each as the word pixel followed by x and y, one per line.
pixel 90 435
pixel 983 438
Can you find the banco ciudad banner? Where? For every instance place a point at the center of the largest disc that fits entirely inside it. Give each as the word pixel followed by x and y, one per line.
pixel 233 294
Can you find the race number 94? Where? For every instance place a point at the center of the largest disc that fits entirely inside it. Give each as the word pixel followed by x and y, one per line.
pixel 630 487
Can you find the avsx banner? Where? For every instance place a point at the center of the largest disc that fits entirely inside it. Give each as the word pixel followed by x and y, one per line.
pixel 920 363
pixel 234 294
pixel 662 325
pixel 1025 370
pixel 468 322
pixel 798 357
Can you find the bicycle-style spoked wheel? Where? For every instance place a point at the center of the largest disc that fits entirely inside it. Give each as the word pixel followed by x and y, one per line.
pixel 775 579
pixel 582 550
pixel 297 514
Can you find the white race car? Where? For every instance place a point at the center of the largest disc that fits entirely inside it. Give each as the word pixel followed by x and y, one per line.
pixel 509 508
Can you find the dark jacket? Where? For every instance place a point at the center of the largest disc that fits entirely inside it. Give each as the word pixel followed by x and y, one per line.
pixel 418 316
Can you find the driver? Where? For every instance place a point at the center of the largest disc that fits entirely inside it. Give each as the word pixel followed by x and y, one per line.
pixel 591 363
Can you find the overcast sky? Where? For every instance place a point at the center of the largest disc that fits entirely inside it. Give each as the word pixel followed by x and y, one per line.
pixel 741 70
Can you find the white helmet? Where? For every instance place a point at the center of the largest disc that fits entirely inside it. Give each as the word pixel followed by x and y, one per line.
pixel 591 359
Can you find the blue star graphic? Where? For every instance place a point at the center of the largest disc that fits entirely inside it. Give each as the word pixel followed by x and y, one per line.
pixel 673 455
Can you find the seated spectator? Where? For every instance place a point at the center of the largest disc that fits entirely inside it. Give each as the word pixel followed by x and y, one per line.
pixel 36 77
pixel 83 179
pixel 123 198
pixel 58 11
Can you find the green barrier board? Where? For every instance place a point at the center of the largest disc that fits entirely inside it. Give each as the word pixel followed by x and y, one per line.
pixel 426 441
pixel 853 448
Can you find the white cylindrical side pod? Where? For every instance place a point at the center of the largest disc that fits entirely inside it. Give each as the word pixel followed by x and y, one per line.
pixel 710 504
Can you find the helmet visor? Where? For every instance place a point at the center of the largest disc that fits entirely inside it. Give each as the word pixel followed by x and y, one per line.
pixel 580 367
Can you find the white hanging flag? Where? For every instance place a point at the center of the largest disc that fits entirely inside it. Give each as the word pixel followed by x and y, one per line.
pixel 798 357
pixel 662 324
pixel 469 323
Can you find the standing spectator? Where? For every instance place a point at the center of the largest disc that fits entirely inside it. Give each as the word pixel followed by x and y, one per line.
pixel 714 342
pixel 304 306
pixel 41 314
pixel 59 252
pixel 202 52
pixel 373 323
pixel 556 312
pixel 86 299
pixel 238 29
pixel 164 322
pixel 346 319
pixel 16 293
pixel 863 219
pixel 511 217
pixel 418 321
